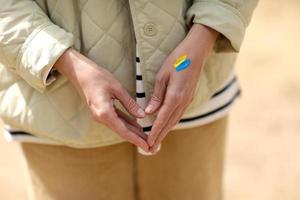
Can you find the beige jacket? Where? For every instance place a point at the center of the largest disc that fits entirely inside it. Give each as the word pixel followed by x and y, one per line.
pixel 33 34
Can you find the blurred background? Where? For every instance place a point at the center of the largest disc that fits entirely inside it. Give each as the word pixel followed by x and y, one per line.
pixel 263 144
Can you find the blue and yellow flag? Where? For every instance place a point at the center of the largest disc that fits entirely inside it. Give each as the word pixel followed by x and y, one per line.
pixel 182 63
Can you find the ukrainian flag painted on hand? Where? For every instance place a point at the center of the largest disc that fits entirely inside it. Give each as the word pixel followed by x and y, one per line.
pixel 182 63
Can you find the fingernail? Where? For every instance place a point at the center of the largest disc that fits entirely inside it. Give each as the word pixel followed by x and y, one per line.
pixel 141 112
pixel 149 109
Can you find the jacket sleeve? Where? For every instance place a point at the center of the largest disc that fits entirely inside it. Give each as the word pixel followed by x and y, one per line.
pixel 229 17
pixel 30 43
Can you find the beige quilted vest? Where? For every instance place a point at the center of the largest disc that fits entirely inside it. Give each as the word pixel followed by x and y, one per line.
pixel 105 31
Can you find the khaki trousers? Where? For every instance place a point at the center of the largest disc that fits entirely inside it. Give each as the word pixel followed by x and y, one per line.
pixel 188 167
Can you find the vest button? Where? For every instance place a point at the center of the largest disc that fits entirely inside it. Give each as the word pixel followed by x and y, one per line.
pixel 150 29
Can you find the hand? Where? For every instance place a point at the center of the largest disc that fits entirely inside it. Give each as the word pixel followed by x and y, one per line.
pixel 99 88
pixel 174 90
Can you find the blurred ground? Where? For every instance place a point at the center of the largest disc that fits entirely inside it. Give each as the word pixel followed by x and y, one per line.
pixel 264 140
pixel 263 161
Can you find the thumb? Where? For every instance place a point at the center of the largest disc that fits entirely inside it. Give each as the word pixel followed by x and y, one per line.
pixel 129 103
pixel 157 96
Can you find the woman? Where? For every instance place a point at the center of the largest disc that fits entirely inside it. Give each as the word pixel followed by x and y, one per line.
pixel 69 71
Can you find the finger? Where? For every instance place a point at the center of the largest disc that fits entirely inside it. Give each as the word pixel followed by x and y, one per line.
pixel 128 102
pixel 108 116
pixel 128 119
pixel 135 130
pixel 163 118
pixel 175 119
pixel 156 150
pixel 130 135
pixel 161 136
pixel 157 96
pixel 131 124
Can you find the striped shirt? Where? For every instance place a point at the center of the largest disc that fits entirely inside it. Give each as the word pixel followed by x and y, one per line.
pixel 217 106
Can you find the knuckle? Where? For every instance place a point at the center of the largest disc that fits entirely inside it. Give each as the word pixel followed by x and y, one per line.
pixel 100 117
pixel 132 105
pixel 106 87
pixel 156 98
pixel 159 79
pixel 102 114
pixel 95 117
pixel 176 96
pixel 117 87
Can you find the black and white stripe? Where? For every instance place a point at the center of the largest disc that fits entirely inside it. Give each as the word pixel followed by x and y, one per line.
pixel 11 134
pixel 217 107
pixel 146 122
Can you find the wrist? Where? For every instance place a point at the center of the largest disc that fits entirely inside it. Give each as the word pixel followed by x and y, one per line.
pixel 70 63
pixel 200 30
pixel 204 37
pixel 63 63
pixel 76 67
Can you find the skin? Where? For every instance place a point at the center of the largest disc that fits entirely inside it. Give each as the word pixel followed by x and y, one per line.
pixel 99 88
pixel 174 90
pixel 172 93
